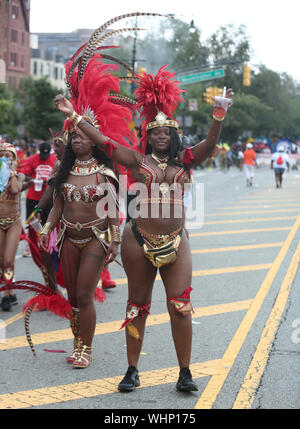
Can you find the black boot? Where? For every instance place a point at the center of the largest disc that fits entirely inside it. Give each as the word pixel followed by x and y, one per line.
pixel 6 305
pixel 130 381
pixel 185 382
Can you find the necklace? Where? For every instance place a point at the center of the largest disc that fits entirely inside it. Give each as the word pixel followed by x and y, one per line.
pixel 162 162
pixel 85 168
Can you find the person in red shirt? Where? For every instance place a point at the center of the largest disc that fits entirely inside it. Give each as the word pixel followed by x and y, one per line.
pixel 38 166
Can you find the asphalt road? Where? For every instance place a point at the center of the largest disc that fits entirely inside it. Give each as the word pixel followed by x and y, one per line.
pixel 246 325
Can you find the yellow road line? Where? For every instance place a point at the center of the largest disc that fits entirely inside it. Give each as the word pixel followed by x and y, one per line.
pixel 109 327
pixel 252 212
pixel 211 272
pixel 13 319
pixel 259 206
pixel 256 369
pixel 98 387
pixel 266 200
pixel 239 231
pixel 236 248
pixel 216 382
pixel 257 219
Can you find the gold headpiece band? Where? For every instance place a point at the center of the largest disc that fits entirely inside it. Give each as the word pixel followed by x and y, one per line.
pixel 161 121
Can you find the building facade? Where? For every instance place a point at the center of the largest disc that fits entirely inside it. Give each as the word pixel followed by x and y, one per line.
pixel 14 41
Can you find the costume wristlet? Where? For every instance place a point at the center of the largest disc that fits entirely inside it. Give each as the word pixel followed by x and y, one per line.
pixel 75 118
pixel 115 234
pixel 47 228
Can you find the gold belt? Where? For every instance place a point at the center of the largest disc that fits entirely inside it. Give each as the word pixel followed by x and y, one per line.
pixel 158 239
pixel 79 226
pixel 160 200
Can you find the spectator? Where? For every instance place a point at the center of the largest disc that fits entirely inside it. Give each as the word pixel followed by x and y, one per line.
pixel 249 163
pixel 280 161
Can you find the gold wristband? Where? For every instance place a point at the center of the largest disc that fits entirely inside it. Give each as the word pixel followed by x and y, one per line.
pixel 75 118
pixel 47 228
pixel 115 233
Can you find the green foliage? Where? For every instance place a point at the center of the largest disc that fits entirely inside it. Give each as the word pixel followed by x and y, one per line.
pixel 40 113
pixel 9 114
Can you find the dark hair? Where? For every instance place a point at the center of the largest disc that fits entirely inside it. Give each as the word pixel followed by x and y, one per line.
pixel 68 162
pixel 176 146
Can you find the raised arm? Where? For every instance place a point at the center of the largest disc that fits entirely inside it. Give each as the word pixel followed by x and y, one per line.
pixel 201 151
pixel 119 153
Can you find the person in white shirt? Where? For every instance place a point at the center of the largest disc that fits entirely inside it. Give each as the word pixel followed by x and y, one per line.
pixel 280 161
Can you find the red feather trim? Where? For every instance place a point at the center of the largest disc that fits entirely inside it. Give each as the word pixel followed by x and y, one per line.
pixel 188 157
pixel 57 304
pixel 99 294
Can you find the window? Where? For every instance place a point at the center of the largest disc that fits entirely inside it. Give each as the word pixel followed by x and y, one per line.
pixel 14 11
pixel 13 60
pixel 23 37
pixel 35 67
pixel 14 36
pixel 42 69
pixel 22 61
pixel 47 69
pixel 56 73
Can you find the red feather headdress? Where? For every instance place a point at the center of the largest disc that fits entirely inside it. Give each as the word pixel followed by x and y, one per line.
pixel 157 99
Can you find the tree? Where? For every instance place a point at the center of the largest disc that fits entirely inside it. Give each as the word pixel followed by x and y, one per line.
pixel 40 113
pixel 9 114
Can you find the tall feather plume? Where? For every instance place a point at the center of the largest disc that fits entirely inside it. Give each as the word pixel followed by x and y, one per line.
pixel 91 48
pixel 94 39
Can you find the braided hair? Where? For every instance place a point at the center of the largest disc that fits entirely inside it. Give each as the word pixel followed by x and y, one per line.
pixel 69 159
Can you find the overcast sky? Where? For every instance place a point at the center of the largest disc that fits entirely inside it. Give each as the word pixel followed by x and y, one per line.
pixel 272 26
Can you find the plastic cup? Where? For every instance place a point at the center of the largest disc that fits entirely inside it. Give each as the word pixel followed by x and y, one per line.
pixel 219 112
pixel 35 224
pixel 38 184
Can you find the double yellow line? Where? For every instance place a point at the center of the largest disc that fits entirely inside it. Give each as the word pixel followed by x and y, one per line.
pixel 247 392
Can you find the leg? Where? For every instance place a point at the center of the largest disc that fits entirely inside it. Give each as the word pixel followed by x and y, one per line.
pixel 177 278
pixel 140 284
pixel 70 257
pixel 91 262
pixel 10 250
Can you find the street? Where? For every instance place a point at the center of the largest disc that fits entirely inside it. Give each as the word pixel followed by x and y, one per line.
pixel 246 321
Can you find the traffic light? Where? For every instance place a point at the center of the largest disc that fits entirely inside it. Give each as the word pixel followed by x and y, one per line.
pixel 211 91
pixel 207 95
pixel 142 70
pixel 247 76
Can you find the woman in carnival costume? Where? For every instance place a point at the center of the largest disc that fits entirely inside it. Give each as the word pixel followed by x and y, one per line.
pixel 10 219
pixel 149 243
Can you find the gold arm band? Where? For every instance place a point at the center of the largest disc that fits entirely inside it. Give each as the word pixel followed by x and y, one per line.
pixel 115 233
pixel 75 118
pixel 47 228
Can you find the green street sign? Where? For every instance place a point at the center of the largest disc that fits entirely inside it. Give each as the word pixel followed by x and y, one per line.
pixel 202 76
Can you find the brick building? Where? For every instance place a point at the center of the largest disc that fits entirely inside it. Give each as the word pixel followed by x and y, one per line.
pixel 15 40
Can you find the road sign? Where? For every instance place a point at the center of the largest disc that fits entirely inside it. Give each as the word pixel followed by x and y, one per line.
pixel 202 76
